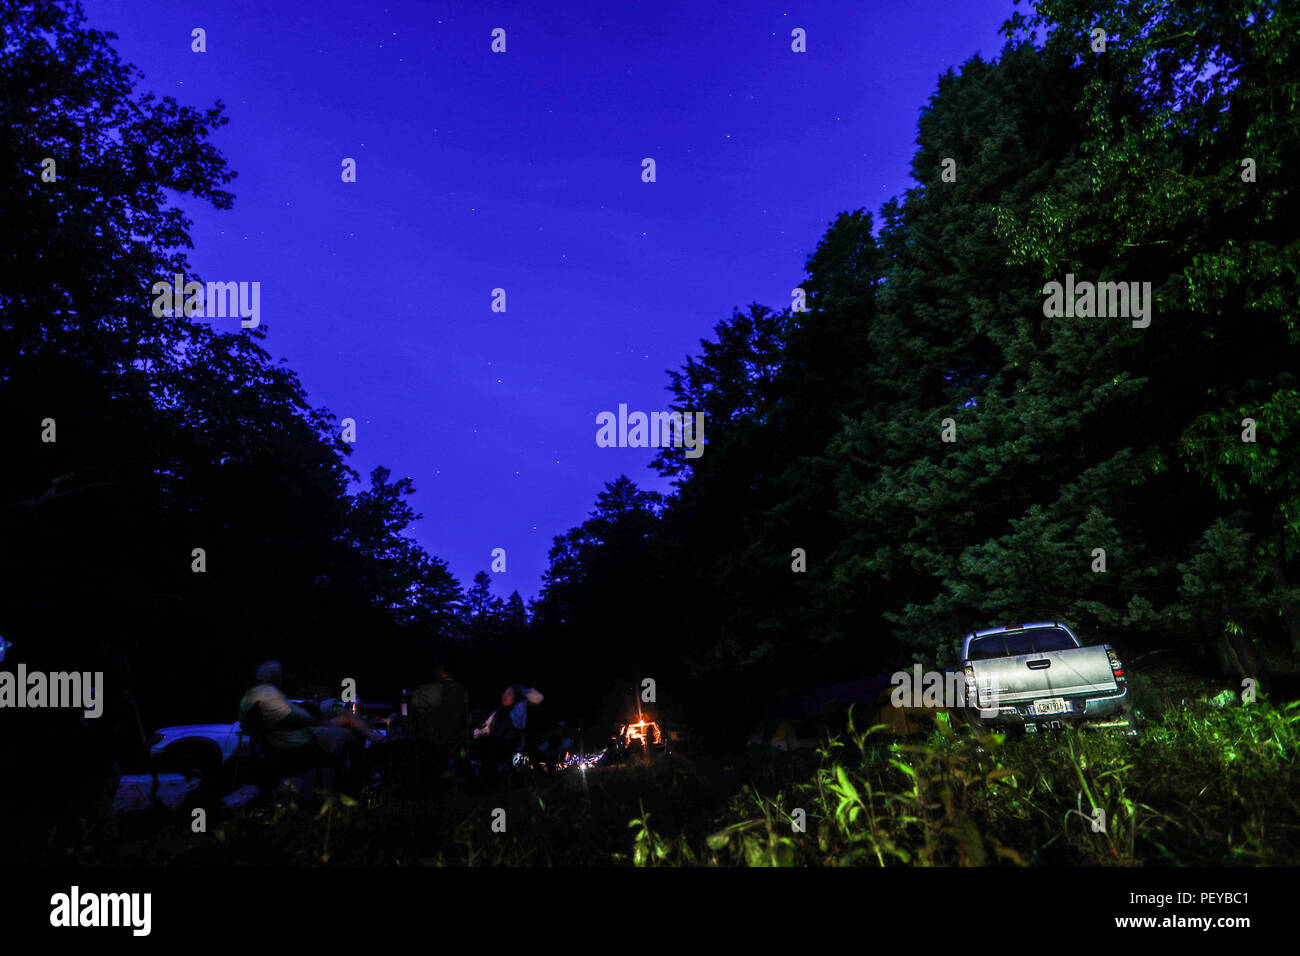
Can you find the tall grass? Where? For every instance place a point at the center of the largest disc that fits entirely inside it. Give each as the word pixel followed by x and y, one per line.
pixel 1202 785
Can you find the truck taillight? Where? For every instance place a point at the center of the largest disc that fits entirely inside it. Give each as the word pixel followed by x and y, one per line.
pixel 1116 667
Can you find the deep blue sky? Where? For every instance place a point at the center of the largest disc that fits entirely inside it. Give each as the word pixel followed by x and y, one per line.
pixel 522 170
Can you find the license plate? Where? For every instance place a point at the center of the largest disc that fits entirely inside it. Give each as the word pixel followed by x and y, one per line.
pixel 1049 705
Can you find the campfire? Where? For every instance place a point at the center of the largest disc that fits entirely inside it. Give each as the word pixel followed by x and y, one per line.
pixel 640 728
pixel 643 729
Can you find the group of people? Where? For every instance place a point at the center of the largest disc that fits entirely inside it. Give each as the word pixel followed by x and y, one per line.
pixel 337 739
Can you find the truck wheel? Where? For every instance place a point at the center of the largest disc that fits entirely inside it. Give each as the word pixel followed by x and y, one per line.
pixel 202 770
pixel 970 717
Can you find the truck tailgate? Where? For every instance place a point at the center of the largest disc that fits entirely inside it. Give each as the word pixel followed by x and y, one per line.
pixel 1068 673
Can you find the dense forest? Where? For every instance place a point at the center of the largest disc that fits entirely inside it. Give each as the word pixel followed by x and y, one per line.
pixel 921 451
pixel 1166 159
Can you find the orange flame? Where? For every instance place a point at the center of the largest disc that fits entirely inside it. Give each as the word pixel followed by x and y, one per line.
pixel 642 730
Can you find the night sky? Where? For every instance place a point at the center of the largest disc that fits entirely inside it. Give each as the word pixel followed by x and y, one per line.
pixel 522 171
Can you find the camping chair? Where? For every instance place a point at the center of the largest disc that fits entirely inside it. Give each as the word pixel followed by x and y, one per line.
pixel 439 724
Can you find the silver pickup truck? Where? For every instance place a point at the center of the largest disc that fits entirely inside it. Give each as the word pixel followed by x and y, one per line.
pixel 1041 675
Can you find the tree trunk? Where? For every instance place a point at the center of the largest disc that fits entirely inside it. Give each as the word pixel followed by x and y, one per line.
pixel 1238 656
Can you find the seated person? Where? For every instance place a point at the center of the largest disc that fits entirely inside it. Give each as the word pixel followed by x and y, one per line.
pixel 502 734
pixel 285 728
pixel 439 723
pixel 335 714
pixel 440 710
pixel 511 718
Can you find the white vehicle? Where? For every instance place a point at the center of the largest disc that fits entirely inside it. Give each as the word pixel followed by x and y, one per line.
pixel 1042 676
pixel 208 755
pixel 204 754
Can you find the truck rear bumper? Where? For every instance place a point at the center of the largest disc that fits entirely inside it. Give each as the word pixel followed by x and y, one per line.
pixel 1080 709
